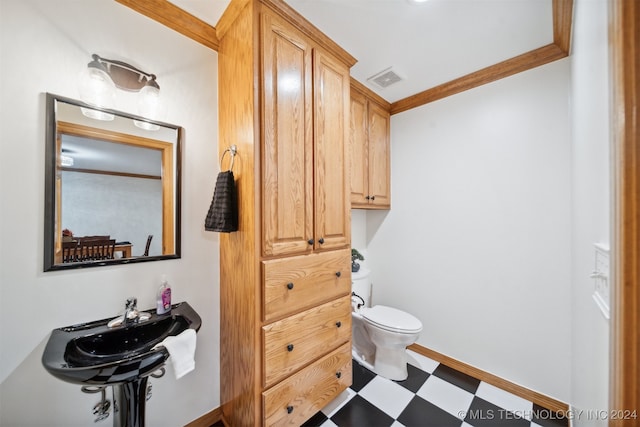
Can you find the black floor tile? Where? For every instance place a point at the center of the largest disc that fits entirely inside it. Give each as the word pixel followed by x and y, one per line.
pixel 458 378
pixel 361 376
pixel 358 412
pixel 316 420
pixel 420 413
pixel 548 418
pixel 484 414
pixel 415 380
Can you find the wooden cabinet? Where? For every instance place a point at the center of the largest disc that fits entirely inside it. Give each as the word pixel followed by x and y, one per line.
pixel 291 402
pixel 305 199
pixel 285 276
pixel 370 149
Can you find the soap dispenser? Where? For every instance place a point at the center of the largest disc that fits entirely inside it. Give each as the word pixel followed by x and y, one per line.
pixel 163 298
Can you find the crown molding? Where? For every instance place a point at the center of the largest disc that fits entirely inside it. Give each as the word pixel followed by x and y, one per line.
pixel 177 19
pixel 562 20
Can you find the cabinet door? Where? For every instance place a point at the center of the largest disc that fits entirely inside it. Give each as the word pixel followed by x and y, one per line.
pixel 287 168
pixel 379 156
pixel 332 179
pixel 358 144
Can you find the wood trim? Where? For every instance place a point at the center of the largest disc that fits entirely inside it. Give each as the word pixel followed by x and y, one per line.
pixel 68 128
pixel 102 172
pixel 512 66
pixel 371 95
pixel 562 17
pixel 624 390
pixel 177 19
pixel 230 14
pixel 523 392
pixel 562 20
pixel 208 419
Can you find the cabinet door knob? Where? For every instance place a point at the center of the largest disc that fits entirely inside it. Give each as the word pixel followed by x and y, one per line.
pixel 321 240
pixel 367 197
pixel 373 197
pixel 338 323
pixel 338 374
pixel 289 409
pixel 289 285
pixel 290 347
pixel 310 241
pixel 338 274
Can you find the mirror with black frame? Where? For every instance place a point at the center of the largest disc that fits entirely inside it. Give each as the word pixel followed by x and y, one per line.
pixel 112 187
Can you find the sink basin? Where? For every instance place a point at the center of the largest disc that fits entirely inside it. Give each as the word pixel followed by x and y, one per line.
pixel 94 353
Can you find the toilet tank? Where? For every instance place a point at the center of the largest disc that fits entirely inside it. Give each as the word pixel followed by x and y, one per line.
pixel 361 285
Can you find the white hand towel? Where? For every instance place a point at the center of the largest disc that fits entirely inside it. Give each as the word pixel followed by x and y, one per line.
pixel 182 349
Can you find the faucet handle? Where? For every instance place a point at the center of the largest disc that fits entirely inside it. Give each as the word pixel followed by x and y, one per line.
pixel 132 303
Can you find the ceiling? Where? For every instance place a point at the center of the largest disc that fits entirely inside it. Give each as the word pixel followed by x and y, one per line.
pixel 427 44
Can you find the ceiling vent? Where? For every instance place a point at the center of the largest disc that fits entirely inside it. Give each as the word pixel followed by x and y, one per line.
pixel 385 78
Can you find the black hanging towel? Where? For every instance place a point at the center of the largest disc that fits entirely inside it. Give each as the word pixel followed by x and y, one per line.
pixel 223 212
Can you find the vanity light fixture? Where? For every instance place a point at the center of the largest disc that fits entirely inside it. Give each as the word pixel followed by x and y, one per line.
pixel 102 78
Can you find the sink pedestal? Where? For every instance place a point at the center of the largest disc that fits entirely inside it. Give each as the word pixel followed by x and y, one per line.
pixel 129 403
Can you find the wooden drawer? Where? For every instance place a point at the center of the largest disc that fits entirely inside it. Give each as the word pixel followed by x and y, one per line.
pixel 294 283
pixel 293 342
pixel 299 397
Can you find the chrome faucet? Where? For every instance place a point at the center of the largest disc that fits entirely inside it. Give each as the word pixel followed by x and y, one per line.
pixel 131 315
pixel 130 311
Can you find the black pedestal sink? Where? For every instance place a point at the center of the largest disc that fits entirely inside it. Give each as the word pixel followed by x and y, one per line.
pixel 94 354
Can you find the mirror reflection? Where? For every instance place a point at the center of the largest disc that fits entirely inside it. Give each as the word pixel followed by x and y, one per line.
pixel 112 187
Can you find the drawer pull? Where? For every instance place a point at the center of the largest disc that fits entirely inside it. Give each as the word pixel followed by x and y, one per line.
pixel 338 374
pixel 338 323
pixel 289 409
pixel 290 347
pixel 289 285
pixel 338 274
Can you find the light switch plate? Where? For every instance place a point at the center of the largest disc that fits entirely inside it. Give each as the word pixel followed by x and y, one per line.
pixel 600 276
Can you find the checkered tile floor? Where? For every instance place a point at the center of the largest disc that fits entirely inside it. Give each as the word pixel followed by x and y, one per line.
pixel 433 395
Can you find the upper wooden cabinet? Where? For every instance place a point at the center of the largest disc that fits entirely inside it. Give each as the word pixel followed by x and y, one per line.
pixel 305 185
pixel 370 149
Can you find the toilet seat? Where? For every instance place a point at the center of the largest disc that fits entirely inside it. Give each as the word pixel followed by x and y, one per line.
pixel 392 319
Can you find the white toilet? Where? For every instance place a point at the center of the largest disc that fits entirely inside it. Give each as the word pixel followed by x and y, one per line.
pixel 381 334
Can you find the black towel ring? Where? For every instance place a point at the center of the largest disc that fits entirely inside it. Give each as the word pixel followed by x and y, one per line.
pixel 233 150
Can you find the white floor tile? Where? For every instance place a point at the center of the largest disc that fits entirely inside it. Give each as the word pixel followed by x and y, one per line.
pixel 397 424
pixel 387 396
pixel 445 395
pixel 422 362
pixel 337 403
pixel 521 407
pixel 328 423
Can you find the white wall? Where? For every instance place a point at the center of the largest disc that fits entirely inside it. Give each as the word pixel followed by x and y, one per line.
pixel 477 243
pixel 44 46
pixel 590 203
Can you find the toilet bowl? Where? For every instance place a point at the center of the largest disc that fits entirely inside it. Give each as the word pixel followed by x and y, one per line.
pixel 381 334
